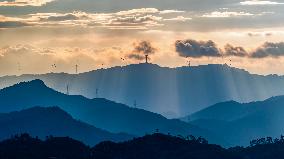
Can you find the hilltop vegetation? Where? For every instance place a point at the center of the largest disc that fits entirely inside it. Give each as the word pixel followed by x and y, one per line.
pixel 155 146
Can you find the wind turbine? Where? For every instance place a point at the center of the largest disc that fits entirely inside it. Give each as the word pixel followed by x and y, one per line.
pixel 19 66
pixel 67 89
pixel 135 104
pixel 188 61
pixel 53 67
pixel 76 68
pixel 146 58
pixel 123 60
pixel 97 93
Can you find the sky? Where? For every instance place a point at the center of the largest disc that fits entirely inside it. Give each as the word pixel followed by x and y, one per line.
pixel 40 36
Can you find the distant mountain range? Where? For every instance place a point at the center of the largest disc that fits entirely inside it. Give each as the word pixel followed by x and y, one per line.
pixel 53 121
pixel 172 92
pixel 239 123
pixel 101 113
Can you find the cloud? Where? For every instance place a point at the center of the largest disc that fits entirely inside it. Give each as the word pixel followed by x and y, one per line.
pixel 131 19
pixel 62 17
pixel 178 18
pixel 269 49
pixel 257 34
pixel 258 2
pixel 141 18
pixel 170 11
pixel 19 50
pixel 196 49
pixel 74 18
pixel 226 14
pixel 148 20
pixel 230 50
pixel 136 57
pixel 65 59
pixel 21 3
pixel 107 6
pixel 12 24
pixel 138 11
pixel 151 18
pixel 141 49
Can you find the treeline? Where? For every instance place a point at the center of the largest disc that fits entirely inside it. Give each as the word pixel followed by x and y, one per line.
pixel 267 140
pixel 155 146
pixel 26 147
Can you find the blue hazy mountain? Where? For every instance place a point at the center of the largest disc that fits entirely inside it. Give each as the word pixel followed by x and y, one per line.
pixel 225 111
pixel 101 113
pixel 239 122
pixel 53 121
pixel 172 92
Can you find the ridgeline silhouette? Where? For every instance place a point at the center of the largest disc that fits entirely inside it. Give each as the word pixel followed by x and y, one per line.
pixel 155 146
pixel 101 113
pixel 239 123
pixel 42 122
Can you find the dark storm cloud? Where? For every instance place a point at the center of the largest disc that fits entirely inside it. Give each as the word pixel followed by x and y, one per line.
pixel 269 49
pixel 230 50
pixel 197 49
pixel 193 48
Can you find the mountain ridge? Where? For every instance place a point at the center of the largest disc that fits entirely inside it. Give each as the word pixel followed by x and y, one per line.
pixel 101 113
pixel 239 122
pixel 172 92
pixel 53 121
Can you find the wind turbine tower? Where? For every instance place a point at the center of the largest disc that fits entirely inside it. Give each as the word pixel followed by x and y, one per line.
pixel 135 104
pixel 67 89
pixel 146 58
pixel 53 67
pixel 19 66
pixel 97 93
pixel 76 68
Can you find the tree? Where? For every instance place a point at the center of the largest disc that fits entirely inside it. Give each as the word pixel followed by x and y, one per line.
pixel 269 140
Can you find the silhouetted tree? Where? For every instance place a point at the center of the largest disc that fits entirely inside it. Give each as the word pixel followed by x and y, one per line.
pixel 269 140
